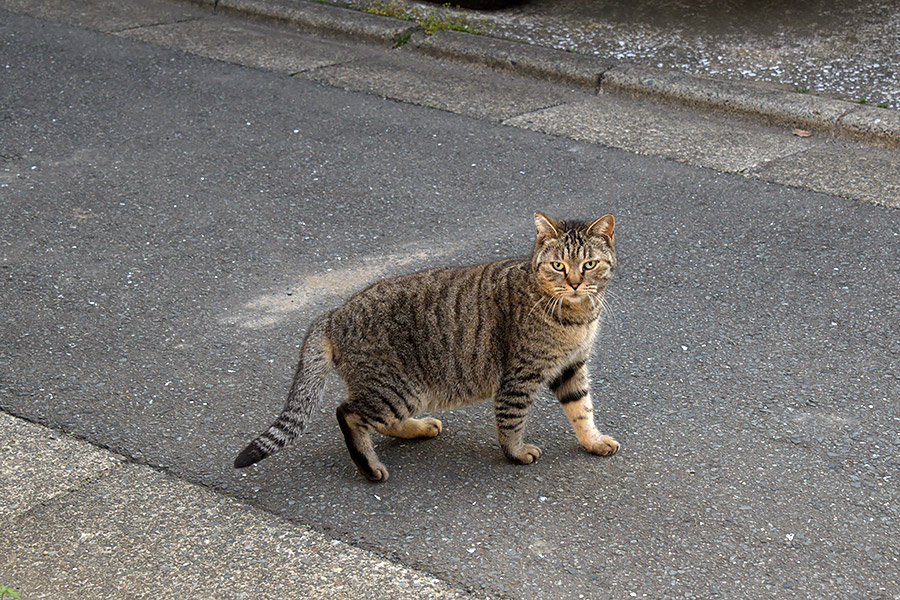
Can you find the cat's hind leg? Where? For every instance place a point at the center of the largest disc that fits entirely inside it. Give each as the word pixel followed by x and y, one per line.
pixel 356 429
pixel 411 428
pixel 572 388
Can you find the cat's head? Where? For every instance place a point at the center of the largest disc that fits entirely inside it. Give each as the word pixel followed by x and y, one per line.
pixel 574 260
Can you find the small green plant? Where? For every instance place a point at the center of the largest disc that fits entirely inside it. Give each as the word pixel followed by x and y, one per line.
pixel 402 39
pixel 803 90
pixel 7 592
pixel 394 10
pixel 431 20
pixel 883 105
pixel 436 20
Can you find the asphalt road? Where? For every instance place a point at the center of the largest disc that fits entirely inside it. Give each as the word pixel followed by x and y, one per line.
pixel 171 224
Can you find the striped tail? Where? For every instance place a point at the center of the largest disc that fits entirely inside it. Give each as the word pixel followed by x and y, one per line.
pixel 307 392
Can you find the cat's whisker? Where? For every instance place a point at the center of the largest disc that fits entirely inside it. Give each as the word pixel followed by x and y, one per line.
pixel 536 304
pixel 556 305
pixel 546 307
pixel 548 310
pixel 613 295
pixel 606 309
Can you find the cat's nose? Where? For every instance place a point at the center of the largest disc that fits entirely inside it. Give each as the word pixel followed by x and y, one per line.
pixel 575 284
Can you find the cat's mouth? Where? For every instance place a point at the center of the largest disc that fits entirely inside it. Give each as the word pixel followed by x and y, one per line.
pixel 576 296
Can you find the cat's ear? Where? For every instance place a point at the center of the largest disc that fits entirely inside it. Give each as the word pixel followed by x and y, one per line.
pixel 547 228
pixel 603 227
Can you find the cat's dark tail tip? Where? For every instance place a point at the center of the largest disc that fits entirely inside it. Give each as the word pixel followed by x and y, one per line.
pixel 248 456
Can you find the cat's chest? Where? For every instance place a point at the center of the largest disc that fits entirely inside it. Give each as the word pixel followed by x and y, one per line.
pixel 577 339
pixel 561 345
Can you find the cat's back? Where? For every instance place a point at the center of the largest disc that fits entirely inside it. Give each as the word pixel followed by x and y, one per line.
pixel 441 325
pixel 448 291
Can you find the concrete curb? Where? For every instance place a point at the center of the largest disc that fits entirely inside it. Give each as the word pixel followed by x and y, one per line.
pixel 535 61
pixel 759 100
pixel 335 21
pixel 750 99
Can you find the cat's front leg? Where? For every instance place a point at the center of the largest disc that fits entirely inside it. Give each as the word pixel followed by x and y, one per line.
pixel 572 388
pixel 511 404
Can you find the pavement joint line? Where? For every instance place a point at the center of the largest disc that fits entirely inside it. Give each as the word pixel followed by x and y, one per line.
pixel 87 482
pixel 748 170
pixel 317 68
pixel 119 461
pixel 152 25
pixel 508 122
pixel 764 102
pixel 122 462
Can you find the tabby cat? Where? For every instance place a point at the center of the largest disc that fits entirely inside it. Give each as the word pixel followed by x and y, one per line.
pixel 446 337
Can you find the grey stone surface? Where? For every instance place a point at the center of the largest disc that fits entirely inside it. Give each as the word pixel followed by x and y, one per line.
pixel 39 464
pixel 781 105
pixel 474 93
pixel 871 121
pixel 867 174
pixel 137 533
pixel 107 16
pixel 544 63
pixel 710 140
pixel 248 44
pixel 324 18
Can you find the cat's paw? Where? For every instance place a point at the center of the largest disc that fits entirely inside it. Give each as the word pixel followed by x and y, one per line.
pixel 603 446
pixel 524 455
pixel 433 427
pixel 376 472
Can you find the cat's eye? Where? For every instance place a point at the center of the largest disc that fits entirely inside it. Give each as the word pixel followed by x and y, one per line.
pixel 558 266
pixel 588 265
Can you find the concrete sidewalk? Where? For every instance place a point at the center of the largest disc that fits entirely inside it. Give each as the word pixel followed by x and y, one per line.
pixel 81 522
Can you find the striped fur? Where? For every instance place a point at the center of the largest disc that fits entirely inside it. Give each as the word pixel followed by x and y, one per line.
pixel 307 391
pixel 446 337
